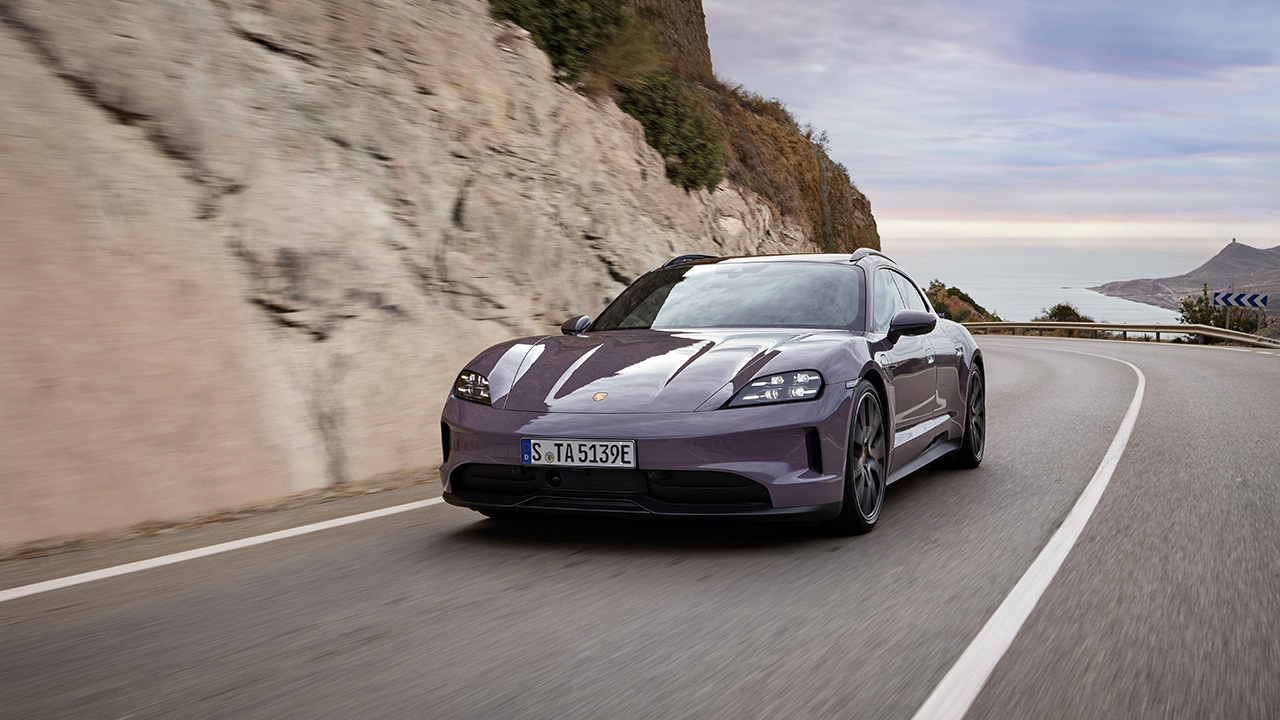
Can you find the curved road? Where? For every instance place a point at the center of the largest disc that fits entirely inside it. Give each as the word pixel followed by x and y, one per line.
pixel 1168 606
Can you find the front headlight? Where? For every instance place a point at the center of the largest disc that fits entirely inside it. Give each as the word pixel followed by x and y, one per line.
pixel 784 387
pixel 472 386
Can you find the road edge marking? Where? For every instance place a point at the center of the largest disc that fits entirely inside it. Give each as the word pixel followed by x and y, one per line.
pixel 953 696
pixel 173 558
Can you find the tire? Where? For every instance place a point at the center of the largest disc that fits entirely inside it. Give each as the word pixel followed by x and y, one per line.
pixel 973 446
pixel 866 465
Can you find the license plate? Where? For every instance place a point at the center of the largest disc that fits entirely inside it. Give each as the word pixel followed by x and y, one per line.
pixel 578 453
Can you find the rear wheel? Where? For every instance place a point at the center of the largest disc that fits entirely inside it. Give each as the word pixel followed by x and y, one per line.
pixel 867 465
pixel 975 424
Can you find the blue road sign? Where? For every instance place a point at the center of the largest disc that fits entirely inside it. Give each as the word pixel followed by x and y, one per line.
pixel 1244 300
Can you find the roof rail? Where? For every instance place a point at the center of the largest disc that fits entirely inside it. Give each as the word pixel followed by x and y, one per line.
pixel 682 259
pixel 863 252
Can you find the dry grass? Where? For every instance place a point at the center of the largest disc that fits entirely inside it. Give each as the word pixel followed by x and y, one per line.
pixel 768 152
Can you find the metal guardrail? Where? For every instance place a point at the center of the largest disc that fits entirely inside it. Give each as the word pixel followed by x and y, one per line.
pixel 1126 328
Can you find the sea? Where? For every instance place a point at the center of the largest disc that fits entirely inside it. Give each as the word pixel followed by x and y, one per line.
pixel 1019 281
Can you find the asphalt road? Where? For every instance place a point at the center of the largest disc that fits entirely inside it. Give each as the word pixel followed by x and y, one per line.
pixel 1167 607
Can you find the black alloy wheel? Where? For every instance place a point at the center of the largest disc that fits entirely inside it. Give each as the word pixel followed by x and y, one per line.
pixel 975 423
pixel 866 468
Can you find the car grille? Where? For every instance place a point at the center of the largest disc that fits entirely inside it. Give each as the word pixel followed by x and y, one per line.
pixel 707 488
pixel 683 487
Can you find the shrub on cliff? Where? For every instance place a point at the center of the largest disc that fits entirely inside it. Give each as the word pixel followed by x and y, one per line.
pixel 676 124
pixel 608 48
pixel 566 30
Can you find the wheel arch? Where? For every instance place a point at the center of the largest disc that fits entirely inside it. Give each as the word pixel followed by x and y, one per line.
pixel 873 374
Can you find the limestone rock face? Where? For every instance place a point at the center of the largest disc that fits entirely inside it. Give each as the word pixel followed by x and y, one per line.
pixel 246 246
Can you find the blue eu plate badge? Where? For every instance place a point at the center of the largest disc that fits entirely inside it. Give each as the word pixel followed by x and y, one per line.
pixel 526 451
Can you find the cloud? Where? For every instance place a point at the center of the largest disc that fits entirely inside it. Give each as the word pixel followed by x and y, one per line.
pixel 1172 38
pixel 1082 110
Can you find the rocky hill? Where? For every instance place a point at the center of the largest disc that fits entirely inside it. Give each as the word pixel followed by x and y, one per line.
pixel 683 28
pixel 1244 267
pixel 957 304
pixel 246 246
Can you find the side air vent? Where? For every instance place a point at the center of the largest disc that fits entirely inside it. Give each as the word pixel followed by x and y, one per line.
pixel 446 440
pixel 813 444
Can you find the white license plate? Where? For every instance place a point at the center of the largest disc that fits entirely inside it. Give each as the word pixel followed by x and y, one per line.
pixel 578 453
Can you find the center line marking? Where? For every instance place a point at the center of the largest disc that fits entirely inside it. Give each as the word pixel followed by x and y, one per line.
pixel 953 696
pixel 133 567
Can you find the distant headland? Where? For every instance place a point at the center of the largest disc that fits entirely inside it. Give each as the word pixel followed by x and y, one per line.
pixel 1237 266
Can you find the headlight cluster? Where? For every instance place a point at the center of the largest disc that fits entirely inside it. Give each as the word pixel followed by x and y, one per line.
pixel 784 387
pixel 472 386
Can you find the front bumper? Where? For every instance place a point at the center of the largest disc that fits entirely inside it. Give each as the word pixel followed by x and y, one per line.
pixel 770 462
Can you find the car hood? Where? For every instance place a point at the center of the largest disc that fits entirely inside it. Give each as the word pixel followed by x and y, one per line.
pixel 651 371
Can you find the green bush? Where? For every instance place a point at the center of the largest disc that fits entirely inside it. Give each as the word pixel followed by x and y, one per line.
pixel 1063 312
pixel 606 46
pixel 677 124
pixel 566 30
pixel 1200 310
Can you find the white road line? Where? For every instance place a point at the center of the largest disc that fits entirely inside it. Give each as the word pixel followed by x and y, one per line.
pixel 133 567
pixel 952 697
pixel 1132 342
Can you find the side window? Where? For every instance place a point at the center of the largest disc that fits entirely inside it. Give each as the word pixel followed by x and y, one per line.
pixel 888 300
pixel 911 294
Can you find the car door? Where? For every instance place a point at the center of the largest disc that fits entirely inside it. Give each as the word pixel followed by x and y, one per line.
pixel 949 355
pixel 910 366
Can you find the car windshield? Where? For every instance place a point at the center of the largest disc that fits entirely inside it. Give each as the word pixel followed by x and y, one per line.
pixel 763 294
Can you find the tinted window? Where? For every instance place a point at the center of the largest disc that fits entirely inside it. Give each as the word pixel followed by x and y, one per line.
pixel 888 300
pixel 763 294
pixel 910 293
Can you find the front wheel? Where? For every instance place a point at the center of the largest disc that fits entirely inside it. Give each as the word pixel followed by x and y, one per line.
pixel 867 464
pixel 975 424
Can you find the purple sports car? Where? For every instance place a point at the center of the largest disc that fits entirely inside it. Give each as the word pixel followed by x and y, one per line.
pixel 780 387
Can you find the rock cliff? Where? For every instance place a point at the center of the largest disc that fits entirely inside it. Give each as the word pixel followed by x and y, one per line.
pixel 245 246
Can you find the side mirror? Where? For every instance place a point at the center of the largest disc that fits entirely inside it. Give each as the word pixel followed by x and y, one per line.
pixel 576 325
pixel 911 322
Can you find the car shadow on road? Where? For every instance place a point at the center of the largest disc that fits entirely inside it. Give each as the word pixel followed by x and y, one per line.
pixel 639 533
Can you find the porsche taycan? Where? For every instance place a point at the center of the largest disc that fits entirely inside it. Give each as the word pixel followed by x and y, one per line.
pixel 785 387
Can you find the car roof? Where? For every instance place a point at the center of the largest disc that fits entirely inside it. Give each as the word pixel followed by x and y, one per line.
pixel 863 256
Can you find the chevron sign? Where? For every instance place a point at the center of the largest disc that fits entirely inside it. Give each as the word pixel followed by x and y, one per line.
pixel 1246 300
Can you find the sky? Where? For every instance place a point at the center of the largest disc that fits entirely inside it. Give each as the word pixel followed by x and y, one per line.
pixel 1134 122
